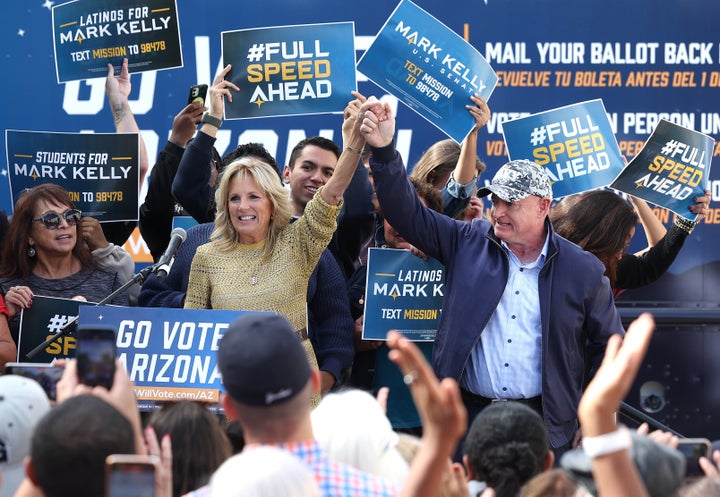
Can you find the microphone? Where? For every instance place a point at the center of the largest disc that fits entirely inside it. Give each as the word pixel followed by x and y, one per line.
pixel 177 236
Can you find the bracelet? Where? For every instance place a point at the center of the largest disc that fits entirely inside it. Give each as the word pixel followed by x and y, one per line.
pixel 207 118
pixel 608 443
pixel 354 150
pixel 684 224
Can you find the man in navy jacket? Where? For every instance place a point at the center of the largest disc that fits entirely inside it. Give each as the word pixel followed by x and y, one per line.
pixel 526 313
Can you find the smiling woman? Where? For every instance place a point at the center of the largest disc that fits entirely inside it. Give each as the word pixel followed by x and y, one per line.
pixel 42 255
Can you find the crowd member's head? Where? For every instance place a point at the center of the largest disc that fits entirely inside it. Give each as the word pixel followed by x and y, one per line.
pixel 506 446
pixel 251 204
pixel 312 162
pixel 521 196
pixel 553 483
pixel 70 444
pixel 22 403
pixel 439 161
pixel 199 443
pixel 263 472
pixel 4 224
pixel 267 378
pixel 352 428
pixel 600 221
pixel 43 225
pixel 250 150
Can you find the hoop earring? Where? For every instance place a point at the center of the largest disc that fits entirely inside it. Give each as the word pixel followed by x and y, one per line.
pixel 31 251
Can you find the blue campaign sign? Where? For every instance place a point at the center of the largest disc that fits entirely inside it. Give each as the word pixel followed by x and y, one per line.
pixel 168 353
pixel 575 144
pixel 403 293
pixel 290 70
pixel 671 169
pixel 100 171
pixel 429 68
pixel 90 34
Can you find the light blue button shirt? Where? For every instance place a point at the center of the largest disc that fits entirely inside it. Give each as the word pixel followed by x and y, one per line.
pixel 506 362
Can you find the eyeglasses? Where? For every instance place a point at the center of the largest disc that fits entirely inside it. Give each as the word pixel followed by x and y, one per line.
pixel 52 220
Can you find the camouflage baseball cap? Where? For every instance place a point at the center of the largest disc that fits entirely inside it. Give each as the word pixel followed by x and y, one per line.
pixel 517 180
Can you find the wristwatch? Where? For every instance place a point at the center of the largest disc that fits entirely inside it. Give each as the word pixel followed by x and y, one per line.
pixel 211 120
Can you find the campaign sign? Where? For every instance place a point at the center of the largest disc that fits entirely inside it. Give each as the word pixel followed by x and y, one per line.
pixel 47 317
pixel 404 293
pixel 99 170
pixel 575 144
pixel 428 67
pixel 671 169
pixel 290 70
pixel 169 354
pixel 90 34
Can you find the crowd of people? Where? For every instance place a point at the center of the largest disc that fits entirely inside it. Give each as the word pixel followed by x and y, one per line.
pixel 516 395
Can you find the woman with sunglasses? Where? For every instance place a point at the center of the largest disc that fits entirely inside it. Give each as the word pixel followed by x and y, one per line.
pixel 44 254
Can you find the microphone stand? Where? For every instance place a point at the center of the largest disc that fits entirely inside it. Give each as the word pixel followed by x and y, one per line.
pixel 70 326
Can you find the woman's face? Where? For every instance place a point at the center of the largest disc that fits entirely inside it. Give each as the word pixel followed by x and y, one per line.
pixel 60 241
pixel 249 209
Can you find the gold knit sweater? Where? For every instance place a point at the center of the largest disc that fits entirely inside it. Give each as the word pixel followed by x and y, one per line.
pixel 239 279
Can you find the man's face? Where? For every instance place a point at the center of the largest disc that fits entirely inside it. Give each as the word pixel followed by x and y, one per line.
pixel 311 170
pixel 517 222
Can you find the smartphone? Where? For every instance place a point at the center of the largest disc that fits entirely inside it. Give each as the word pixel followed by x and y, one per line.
pixel 47 375
pixel 95 355
pixel 693 449
pixel 197 94
pixel 130 475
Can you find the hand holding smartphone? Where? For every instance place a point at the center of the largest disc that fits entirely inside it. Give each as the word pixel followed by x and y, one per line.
pixel 130 475
pixel 693 449
pixel 96 355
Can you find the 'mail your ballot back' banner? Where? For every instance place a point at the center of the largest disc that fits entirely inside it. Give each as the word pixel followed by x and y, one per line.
pixel 429 68
pixel 574 144
pixel 288 70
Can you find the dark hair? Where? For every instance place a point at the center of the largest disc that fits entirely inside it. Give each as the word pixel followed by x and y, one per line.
pixel 430 194
pixel 70 444
pixel 251 150
pixel 600 222
pixel 199 444
pixel 15 260
pixel 506 445
pixel 319 142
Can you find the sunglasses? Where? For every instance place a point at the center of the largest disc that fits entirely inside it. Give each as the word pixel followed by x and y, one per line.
pixel 52 220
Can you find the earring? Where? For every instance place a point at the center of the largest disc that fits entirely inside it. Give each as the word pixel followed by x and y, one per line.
pixel 31 251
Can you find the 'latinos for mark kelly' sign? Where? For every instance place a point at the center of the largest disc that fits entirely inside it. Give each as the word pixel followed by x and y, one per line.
pixel 90 34
pixel 574 144
pixel 671 170
pixel 288 70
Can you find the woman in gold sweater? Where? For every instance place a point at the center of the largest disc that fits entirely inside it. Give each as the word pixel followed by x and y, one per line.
pixel 257 259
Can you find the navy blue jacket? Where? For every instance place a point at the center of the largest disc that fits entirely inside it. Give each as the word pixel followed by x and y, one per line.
pixel 576 304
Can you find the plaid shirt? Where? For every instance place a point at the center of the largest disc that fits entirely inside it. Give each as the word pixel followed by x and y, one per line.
pixel 334 479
